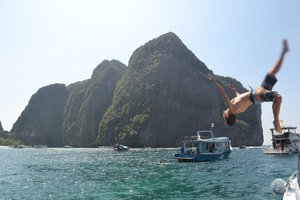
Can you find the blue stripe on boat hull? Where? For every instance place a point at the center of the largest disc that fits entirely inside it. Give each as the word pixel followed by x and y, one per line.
pixel 200 157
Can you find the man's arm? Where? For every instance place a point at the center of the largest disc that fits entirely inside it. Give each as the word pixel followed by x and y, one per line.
pixel 222 92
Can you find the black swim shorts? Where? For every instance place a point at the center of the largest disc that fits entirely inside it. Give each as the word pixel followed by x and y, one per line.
pixel 267 84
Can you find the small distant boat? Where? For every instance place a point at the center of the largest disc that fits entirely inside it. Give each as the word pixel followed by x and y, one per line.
pixel 19 146
pixel 38 146
pixel 288 190
pixel 203 147
pixel 119 147
pixel 243 147
pixel 286 143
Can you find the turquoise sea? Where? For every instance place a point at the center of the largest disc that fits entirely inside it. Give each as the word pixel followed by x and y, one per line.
pixel 101 173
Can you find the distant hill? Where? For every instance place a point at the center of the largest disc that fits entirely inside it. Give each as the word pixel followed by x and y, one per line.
pixel 163 95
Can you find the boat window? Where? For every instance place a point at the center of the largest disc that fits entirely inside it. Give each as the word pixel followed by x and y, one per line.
pixel 205 134
pixel 189 145
pixel 211 147
pixel 204 146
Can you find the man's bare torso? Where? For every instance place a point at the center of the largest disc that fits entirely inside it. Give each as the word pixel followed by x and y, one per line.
pixel 240 103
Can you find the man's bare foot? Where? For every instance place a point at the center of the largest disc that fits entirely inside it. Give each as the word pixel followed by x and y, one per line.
pixel 277 126
pixel 285 47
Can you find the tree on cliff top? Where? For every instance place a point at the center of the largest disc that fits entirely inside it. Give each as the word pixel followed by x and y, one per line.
pixel 1 128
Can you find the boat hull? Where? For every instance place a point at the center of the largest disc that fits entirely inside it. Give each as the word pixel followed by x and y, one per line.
pixel 272 151
pixel 201 157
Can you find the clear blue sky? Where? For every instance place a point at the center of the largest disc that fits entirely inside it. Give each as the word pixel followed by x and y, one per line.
pixel 61 41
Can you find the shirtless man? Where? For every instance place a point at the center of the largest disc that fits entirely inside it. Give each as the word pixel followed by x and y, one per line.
pixel 263 93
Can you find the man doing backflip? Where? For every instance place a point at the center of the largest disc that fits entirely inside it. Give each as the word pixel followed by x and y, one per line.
pixel 263 93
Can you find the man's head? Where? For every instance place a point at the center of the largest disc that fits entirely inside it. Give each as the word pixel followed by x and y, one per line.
pixel 229 118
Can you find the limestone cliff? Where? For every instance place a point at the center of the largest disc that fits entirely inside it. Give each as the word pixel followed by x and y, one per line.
pixel 41 120
pixel 58 115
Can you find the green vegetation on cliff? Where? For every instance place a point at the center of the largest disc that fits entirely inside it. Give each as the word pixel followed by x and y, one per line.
pixel 9 139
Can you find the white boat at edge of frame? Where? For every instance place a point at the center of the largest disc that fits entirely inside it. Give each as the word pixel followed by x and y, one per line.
pixel 290 189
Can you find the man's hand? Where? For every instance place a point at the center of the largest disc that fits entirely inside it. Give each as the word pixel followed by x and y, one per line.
pixel 234 90
pixel 232 87
pixel 212 79
pixel 222 92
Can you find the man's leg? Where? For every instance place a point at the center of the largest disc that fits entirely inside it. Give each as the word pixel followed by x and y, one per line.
pixel 278 63
pixel 276 109
pixel 278 99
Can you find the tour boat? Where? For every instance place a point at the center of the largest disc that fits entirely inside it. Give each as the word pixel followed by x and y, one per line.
pixel 203 147
pixel 286 143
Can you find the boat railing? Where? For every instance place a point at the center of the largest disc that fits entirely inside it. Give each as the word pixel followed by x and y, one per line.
pixel 190 138
pixel 286 129
pixel 205 134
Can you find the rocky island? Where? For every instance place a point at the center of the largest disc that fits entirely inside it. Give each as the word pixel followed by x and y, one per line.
pixel 163 95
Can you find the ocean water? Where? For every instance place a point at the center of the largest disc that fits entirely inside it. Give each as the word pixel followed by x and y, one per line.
pixel 101 173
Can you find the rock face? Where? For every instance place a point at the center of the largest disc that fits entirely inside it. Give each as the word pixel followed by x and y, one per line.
pixel 58 115
pixel 88 101
pixel 41 121
pixel 162 96
pixel 165 94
